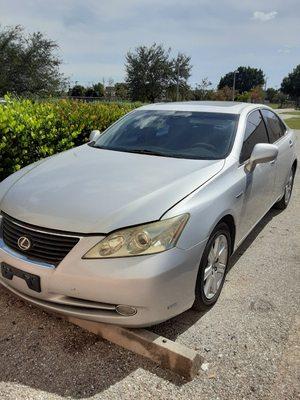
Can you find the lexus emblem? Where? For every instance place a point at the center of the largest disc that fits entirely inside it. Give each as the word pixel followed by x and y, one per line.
pixel 24 243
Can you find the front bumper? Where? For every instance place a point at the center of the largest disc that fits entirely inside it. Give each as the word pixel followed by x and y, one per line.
pixel 158 286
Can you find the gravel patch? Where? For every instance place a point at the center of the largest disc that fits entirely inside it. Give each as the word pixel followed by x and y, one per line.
pixel 249 339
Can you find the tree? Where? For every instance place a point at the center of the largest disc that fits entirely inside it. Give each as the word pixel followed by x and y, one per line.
pixel 121 90
pixel 256 94
pixel 291 84
pixel 153 75
pixel 99 89
pixel 148 72
pixel 178 88
pixel 281 99
pixel 223 94
pixel 201 91
pixel 29 64
pixel 96 90
pixel 246 79
pixel 245 97
pixel 271 95
pixel 90 92
pixel 77 91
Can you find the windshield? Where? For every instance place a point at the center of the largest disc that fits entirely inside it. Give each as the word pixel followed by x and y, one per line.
pixel 196 135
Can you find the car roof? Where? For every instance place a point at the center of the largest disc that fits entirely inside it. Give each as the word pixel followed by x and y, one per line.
pixel 229 107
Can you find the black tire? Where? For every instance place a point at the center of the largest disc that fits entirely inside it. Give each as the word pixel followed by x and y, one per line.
pixel 202 303
pixel 284 202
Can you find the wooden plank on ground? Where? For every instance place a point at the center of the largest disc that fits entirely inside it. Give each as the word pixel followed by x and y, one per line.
pixel 168 354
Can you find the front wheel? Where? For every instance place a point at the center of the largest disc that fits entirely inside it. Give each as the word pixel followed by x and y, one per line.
pixel 213 268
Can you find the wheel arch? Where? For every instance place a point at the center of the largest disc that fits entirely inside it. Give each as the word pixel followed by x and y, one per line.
pixel 294 166
pixel 228 219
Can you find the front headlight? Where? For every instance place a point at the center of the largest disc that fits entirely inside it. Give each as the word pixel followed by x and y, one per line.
pixel 139 240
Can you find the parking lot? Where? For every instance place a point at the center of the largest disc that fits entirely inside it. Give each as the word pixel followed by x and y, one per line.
pixel 249 339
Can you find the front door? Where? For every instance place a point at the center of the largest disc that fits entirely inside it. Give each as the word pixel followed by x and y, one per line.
pixel 259 184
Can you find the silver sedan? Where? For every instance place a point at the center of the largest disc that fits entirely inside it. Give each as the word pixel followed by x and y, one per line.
pixel 139 224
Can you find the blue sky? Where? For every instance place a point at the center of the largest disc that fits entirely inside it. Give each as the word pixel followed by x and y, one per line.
pixel 219 35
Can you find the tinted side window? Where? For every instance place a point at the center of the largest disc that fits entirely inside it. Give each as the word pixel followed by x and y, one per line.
pixel 275 127
pixel 255 132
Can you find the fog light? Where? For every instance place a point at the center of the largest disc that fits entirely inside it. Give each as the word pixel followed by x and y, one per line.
pixel 126 311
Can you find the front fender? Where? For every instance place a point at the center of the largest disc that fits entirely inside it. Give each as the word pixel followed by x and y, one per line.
pixel 208 205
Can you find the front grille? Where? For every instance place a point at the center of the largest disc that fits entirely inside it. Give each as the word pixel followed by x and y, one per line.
pixel 45 245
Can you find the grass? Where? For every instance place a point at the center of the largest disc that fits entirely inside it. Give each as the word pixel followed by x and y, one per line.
pixel 297 113
pixel 293 123
pixel 273 105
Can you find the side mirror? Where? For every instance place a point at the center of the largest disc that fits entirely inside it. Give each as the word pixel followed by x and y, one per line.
pixel 94 135
pixel 261 153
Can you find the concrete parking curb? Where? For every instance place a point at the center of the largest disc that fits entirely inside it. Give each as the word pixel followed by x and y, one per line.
pixel 168 354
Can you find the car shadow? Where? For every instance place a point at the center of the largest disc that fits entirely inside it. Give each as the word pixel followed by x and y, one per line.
pixel 178 325
pixel 46 353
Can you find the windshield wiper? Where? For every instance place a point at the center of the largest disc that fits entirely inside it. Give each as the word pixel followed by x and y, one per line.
pixel 138 151
pixel 146 151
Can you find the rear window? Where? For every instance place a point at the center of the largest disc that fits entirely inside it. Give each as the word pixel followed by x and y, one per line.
pixel 275 126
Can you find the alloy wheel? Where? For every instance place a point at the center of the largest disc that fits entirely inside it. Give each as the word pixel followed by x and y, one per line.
pixel 288 188
pixel 216 266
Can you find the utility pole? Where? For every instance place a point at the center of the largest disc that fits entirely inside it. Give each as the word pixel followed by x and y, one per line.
pixel 233 86
pixel 266 80
pixel 177 83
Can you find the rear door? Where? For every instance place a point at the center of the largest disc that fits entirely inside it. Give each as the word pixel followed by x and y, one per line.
pixel 279 135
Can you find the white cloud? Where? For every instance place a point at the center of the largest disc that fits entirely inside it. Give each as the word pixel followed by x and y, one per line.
pixel 94 35
pixel 263 16
pixel 285 50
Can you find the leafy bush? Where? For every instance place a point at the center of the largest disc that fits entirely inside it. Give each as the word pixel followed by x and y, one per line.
pixel 32 130
pixel 245 97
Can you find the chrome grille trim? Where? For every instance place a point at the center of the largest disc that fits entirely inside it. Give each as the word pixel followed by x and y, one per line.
pixel 8 250
pixel 47 246
pixel 38 229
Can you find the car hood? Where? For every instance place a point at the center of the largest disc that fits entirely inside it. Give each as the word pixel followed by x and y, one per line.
pixel 90 190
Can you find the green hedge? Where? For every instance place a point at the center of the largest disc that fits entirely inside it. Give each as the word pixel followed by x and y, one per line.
pixel 31 130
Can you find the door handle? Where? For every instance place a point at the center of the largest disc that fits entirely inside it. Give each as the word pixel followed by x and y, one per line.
pixel 291 143
pixel 239 195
